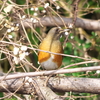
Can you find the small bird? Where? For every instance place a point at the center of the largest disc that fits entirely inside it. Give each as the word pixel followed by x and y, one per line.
pixel 51 43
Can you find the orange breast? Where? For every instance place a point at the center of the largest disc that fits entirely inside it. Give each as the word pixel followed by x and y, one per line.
pixel 55 47
pixel 43 56
pixel 58 59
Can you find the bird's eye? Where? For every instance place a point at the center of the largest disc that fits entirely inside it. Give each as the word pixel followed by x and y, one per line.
pixel 57 30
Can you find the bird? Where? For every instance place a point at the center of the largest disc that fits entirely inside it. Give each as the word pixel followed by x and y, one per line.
pixel 51 43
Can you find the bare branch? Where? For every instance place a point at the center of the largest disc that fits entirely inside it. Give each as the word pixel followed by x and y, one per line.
pixel 83 85
pixel 62 84
pixel 51 72
pixel 23 86
pixel 75 8
pixel 80 22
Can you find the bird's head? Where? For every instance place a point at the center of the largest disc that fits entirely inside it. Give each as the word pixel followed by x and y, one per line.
pixel 54 33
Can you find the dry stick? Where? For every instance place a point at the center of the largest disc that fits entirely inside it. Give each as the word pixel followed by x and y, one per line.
pixel 25 33
pixel 46 51
pixel 64 5
pixel 3 5
pixel 75 7
pixel 61 71
pixel 7 96
pixel 27 2
pixel 80 85
pixel 59 17
pixel 17 89
pixel 37 35
pixel 10 93
pixel 85 62
pixel 15 56
pixel 3 59
pixel 80 22
pixel 37 88
pixel 47 93
pixel 64 84
pixel 9 69
pixel 75 97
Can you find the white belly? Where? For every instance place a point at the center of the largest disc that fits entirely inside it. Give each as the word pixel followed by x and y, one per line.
pixel 49 64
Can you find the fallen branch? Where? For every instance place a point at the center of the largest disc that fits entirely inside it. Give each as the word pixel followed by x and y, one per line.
pixel 81 85
pixel 25 86
pixel 62 84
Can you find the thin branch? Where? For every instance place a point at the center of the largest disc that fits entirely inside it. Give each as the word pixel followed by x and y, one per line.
pixel 75 8
pixel 42 51
pixel 51 72
pixel 80 63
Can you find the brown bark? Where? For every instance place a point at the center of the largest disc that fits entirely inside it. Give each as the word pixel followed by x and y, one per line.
pixel 82 85
pixel 57 84
pixel 53 21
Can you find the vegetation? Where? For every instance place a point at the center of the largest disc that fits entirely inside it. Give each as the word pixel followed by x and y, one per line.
pixel 23 25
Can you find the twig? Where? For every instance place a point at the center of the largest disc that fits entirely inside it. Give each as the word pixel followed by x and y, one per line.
pixel 80 63
pixel 75 8
pixel 45 51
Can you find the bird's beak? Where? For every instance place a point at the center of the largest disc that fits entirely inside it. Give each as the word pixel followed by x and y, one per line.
pixel 60 31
